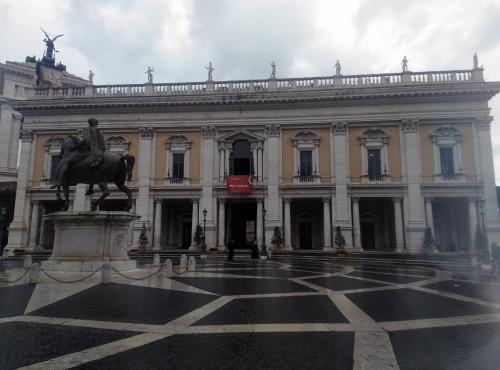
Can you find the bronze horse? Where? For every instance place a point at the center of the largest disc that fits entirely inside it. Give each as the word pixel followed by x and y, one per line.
pixel 115 168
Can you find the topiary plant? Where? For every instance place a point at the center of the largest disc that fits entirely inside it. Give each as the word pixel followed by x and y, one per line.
pixel 198 235
pixel 277 239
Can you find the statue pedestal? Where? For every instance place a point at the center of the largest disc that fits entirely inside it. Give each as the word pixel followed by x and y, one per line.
pixel 84 241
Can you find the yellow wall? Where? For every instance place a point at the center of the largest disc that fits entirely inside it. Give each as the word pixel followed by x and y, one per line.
pixel 194 163
pixel 324 153
pixel 427 152
pixel 393 150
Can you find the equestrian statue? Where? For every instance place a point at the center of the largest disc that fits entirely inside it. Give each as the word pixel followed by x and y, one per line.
pixel 84 160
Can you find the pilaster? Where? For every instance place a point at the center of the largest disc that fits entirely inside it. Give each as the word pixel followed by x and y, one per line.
pixel 273 204
pixel 207 200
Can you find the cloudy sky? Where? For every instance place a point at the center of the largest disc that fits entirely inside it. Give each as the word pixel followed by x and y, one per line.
pixel 119 39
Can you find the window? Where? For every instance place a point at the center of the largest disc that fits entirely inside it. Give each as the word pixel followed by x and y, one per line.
pixel 54 164
pixel 447 161
pixel 374 163
pixel 178 165
pixel 241 159
pixel 306 163
pixel 374 144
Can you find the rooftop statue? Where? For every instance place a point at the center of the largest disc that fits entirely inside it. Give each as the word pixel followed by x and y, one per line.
pixel 91 77
pixel 150 71
pixel 211 70
pixel 86 161
pixel 404 64
pixel 476 61
pixel 337 68
pixel 49 53
pixel 273 70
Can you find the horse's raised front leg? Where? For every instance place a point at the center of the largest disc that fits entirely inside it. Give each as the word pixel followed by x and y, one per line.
pixel 105 192
pixel 127 191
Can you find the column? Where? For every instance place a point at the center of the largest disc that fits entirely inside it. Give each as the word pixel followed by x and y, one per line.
pixel 18 236
pixel 342 203
pixel 356 223
pixel 398 225
pixel 144 176
pixel 415 224
pixel 194 222
pixel 221 228
pixel 429 218
pixel 221 164
pixel 472 222
pixel 34 224
pixel 327 225
pixel 288 226
pixel 157 225
pixel 41 239
pixel 273 203
pixel 260 229
pixel 491 219
pixel 207 175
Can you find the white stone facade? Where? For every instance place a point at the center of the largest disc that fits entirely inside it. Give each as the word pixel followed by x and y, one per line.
pixel 372 142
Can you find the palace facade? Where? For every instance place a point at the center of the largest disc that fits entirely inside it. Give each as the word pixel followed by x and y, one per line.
pixel 382 156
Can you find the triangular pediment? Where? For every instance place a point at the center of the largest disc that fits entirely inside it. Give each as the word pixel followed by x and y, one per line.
pixel 241 135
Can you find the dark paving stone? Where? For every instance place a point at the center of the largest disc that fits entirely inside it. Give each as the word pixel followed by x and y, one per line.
pixel 14 299
pixel 343 283
pixel 318 268
pixel 307 309
pixel 22 344
pixel 397 279
pixel 487 292
pixel 407 304
pixel 243 351
pixel 398 270
pixel 455 348
pixel 475 276
pixel 126 303
pixel 276 273
pixel 233 286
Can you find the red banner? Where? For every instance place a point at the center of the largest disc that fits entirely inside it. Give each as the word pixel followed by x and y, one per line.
pixel 239 184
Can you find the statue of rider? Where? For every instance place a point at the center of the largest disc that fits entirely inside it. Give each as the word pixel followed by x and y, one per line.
pixel 89 146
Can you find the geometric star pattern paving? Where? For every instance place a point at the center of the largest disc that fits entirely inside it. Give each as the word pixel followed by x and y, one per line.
pixel 290 312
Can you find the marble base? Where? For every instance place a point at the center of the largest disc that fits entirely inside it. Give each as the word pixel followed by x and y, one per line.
pixel 84 240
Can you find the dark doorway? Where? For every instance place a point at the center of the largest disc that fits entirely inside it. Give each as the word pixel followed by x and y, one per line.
pixel 186 234
pixel 368 235
pixel 241 219
pixel 305 235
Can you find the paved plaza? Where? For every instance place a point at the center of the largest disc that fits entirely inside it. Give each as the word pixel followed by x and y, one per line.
pixel 300 312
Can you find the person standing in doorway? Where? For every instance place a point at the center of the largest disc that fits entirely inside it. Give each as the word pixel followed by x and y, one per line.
pixel 230 249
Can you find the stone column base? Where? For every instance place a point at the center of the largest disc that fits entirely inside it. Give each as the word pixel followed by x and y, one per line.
pixel 328 248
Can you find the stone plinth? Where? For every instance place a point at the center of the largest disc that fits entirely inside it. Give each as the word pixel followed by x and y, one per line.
pixel 84 240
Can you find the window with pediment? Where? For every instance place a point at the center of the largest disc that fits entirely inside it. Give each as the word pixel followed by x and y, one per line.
pixel 117 144
pixel 374 155
pixel 306 156
pixel 241 153
pixel 52 158
pixel 447 146
pixel 177 154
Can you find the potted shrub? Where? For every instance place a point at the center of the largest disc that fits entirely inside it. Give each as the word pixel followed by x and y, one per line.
pixel 198 235
pixel 429 243
pixel 143 239
pixel 340 241
pixel 277 239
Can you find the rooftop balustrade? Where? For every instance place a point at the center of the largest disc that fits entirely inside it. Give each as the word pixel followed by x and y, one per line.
pixel 255 86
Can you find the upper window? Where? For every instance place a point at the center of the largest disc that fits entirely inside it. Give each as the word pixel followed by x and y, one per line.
pixel 374 155
pixel 306 163
pixel 52 158
pixel 241 159
pixel 306 156
pixel 178 165
pixel 54 164
pixel 447 144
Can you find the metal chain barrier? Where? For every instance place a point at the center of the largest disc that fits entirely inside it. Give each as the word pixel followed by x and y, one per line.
pixel 72 281
pixel 141 278
pixel 19 278
pixel 183 272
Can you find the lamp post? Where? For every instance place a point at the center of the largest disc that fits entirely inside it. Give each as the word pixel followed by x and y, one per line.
pixel 264 251
pixel 204 244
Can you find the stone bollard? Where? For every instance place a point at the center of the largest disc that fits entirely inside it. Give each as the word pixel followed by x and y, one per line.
pixel 156 260
pixel 192 264
pixel 106 273
pixel 168 267
pixel 34 273
pixel 183 263
pixel 28 261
